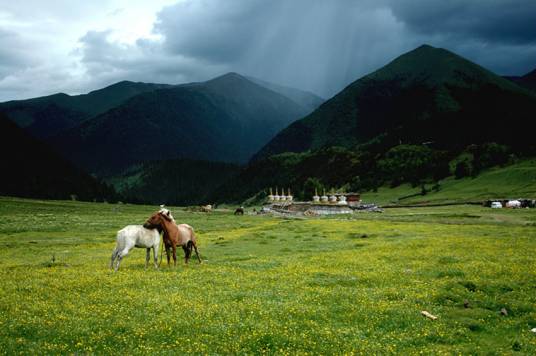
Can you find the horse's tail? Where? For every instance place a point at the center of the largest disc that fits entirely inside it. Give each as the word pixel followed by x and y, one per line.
pixel 117 248
pixel 120 238
pixel 190 245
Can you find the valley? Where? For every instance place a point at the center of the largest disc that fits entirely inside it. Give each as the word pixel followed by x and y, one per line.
pixel 354 284
pixel 429 118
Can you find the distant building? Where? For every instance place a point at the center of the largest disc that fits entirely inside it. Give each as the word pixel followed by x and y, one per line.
pixel 336 203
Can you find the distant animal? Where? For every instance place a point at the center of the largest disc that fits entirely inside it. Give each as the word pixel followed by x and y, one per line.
pixel 206 208
pixel 513 204
pixel 239 211
pixel 174 235
pixel 136 236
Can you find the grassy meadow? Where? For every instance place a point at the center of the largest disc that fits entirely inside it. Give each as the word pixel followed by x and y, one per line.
pixel 337 285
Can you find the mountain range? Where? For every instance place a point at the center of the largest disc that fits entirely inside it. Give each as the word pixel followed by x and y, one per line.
pixel 224 119
pixel 426 95
pixel 426 115
pixel 47 116
pixel 417 118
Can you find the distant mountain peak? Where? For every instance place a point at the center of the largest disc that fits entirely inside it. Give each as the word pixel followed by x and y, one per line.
pixel 425 53
pixel 122 83
pixel 231 76
pixel 426 49
pixel 424 46
pixel 434 66
pixel 128 84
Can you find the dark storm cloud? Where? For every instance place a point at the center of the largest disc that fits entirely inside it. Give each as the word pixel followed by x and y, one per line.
pixel 324 45
pixel 512 21
pixel 217 31
pixel 498 34
pixel 317 45
pixel 107 62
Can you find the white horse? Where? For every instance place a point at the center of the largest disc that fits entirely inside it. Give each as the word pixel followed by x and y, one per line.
pixel 136 236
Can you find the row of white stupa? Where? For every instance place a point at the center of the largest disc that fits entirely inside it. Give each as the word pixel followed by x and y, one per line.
pixel 324 199
pixel 282 197
pixel 339 199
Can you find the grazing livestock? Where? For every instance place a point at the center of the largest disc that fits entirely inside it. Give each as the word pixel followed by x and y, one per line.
pixel 513 204
pixel 174 235
pixel 205 208
pixel 136 236
pixel 239 211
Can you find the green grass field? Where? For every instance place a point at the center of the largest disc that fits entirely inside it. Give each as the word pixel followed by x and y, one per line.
pixel 267 285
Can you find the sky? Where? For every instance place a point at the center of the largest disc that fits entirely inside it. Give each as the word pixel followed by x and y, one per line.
pixel 316 45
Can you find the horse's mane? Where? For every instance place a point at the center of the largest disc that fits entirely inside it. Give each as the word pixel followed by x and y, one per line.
pixel 165 216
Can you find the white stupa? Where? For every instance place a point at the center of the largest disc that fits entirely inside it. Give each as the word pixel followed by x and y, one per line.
pixel 276 196
pixel 324 198
pixel 271 196
pixel 283 197
pixel 333 198
pixel 289 195
pixel 316 198
pixel 342 200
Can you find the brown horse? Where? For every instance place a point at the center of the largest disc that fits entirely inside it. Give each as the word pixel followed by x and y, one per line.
pixel 174 235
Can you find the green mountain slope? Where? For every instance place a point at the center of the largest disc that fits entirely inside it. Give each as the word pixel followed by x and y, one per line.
pixel 333 167
pixel 340 168
pixel 173 182
pixel 426 95
pixel 307 100
pixel 225 119
pixel 46 116
pixel 510 182
pixel 34 170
